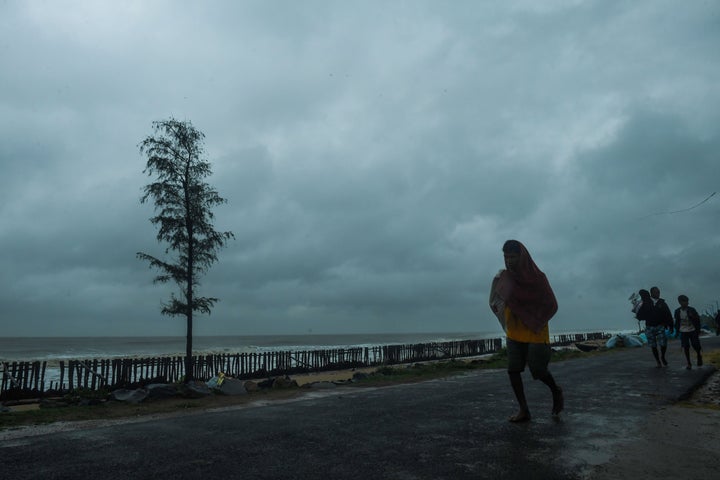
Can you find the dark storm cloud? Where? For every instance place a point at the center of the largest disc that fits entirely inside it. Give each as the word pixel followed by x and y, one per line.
pixel 374 158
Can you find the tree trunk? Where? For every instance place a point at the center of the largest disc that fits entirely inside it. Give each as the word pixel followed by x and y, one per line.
pixel 188 349
pixel 189 287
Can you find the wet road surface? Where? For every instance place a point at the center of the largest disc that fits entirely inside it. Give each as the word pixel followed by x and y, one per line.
pixel 454 428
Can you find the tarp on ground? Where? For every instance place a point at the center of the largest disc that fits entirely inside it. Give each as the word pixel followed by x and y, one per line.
pixel 621 340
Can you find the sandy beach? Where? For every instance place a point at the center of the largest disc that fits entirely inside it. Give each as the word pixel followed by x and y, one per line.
pixel 330 376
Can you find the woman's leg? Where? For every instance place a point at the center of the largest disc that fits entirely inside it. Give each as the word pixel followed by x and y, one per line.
pixel 517 385
pixel 662 340
pixel 695 341
pixel 517 359
pixel 685 343
pixel 538 360
pixel 651 334
pixel 557 393
pixel 657 356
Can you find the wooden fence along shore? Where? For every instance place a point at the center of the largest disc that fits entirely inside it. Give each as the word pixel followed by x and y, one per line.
pixel 22 380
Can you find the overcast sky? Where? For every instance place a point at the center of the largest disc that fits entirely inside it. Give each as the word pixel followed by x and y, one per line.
pixel 374 155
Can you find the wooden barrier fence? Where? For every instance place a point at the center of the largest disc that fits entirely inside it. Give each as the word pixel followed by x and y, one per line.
pixel 28 379
pixel 570 338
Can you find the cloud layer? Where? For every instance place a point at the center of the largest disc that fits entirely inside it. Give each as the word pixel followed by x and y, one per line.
pixel 374 156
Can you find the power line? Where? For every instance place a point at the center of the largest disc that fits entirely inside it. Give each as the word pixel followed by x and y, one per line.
pixel 684 209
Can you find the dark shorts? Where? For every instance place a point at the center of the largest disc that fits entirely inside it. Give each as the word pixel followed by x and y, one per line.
pixel 656 335
pixel 688 338
pixel 535 355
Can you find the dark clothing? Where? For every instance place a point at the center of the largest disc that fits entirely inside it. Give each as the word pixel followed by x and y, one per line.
pixel 690 338
pixel 692 316
pixel 645 312
pixel 660 315
pixel 527 292
pixel 534 355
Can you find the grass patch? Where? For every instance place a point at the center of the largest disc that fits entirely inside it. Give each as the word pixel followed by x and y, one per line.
pixel 439 369
pixel 115 410
pixel 108 410
pixel 712 357
pixel 418 371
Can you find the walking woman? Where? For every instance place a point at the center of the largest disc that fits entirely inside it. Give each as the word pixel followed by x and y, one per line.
pixel 521 296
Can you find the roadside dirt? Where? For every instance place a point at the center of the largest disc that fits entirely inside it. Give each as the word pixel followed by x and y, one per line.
pixel 679 441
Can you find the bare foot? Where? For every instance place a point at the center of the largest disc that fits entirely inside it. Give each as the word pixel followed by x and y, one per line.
pixel 558 401
pixel 521 416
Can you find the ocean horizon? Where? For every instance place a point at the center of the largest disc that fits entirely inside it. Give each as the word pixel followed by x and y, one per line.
pixel 62 348
pixel 54 349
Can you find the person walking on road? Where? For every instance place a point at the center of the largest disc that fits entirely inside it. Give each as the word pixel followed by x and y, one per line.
pixel 657 316
pixel 522 297
pixel 687 322
pixel 662 318
pixel 644 309
pixel 646 312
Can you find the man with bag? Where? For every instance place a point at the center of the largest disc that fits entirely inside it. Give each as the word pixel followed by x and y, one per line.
pixel 660 318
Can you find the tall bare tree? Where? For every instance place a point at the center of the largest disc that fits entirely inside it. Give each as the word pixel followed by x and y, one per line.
pixel 184 215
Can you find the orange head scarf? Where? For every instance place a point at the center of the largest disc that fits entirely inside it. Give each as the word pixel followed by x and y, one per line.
pixel 526 290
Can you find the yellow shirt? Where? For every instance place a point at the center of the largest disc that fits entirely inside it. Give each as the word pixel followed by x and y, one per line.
pixel 518 331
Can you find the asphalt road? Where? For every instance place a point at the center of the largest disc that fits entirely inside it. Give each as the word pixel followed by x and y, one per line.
pixel 454 428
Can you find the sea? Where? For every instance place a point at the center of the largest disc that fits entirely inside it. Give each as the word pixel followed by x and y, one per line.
pixel 54 349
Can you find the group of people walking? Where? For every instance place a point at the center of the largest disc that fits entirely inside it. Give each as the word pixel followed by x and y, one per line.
pixel 654 311
pixel 524 303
